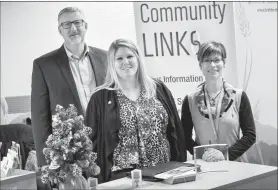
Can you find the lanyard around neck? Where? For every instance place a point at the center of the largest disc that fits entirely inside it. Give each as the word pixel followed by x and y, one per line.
pixel 215 125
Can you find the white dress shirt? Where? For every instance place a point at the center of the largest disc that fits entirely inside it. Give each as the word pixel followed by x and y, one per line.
pixel 83 75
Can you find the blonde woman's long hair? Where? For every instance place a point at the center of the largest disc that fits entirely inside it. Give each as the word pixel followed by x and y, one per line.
pixel 112 79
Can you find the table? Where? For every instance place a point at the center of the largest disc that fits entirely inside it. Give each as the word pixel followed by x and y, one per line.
pixel 19 179
pixel 226 175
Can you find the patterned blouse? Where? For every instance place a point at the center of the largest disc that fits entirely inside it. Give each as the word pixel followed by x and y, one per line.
pixel 142 138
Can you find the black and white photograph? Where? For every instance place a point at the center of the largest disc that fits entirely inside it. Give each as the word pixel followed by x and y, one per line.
pixel 92 91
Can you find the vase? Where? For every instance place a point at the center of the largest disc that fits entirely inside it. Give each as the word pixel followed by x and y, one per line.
pixel 74 183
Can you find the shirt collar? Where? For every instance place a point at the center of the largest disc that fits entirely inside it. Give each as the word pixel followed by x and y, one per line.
pixel 73 57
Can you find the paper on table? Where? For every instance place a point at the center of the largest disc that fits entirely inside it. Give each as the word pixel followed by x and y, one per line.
pixel 181 171
pixel 211 166
pixel 122 184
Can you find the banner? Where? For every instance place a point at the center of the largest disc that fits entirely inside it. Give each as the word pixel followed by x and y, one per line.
pixel 256 45
pixel 169 35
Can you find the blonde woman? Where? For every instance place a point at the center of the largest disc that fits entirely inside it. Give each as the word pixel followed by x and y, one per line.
pixel 134 117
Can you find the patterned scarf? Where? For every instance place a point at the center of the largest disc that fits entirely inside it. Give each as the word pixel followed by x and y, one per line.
pixel 228 99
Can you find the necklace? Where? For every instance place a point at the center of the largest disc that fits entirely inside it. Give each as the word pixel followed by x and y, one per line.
pixel 212 100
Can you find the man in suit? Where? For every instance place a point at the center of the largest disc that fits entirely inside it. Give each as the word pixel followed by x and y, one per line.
pixel 67 75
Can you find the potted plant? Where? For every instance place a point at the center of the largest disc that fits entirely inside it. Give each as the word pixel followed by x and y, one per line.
pixel 69 151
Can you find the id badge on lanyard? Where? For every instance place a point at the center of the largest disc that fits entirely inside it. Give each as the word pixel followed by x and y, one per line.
pixel 215 125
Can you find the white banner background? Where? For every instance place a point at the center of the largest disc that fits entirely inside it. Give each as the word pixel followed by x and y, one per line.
pixel 168 35
pixel 256 45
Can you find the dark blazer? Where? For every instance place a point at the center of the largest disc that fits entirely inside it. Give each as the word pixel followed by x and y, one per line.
pixel 103 117
pixel 52 84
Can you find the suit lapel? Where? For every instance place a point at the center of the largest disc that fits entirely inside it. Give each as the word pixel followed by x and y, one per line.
pixel 63 62
pixel 97 66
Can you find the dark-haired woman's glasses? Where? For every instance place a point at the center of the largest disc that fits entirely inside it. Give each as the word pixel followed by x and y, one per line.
pixel 215 61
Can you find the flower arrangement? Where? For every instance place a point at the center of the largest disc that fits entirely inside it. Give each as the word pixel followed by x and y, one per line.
pixel 69 149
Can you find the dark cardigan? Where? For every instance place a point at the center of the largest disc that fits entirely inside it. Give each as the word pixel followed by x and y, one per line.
pixel 104 118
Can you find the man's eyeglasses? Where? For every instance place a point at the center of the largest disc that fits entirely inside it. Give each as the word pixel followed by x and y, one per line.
pixel 77 23
pixel 215 61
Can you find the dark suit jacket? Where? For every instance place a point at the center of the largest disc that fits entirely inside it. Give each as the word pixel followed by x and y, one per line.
pixel 52 84
pixel 104 119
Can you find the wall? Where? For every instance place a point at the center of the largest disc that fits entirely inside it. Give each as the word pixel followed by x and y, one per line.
pixel 29 30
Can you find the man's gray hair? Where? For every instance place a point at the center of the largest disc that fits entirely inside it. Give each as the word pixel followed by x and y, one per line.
pixel 68 10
